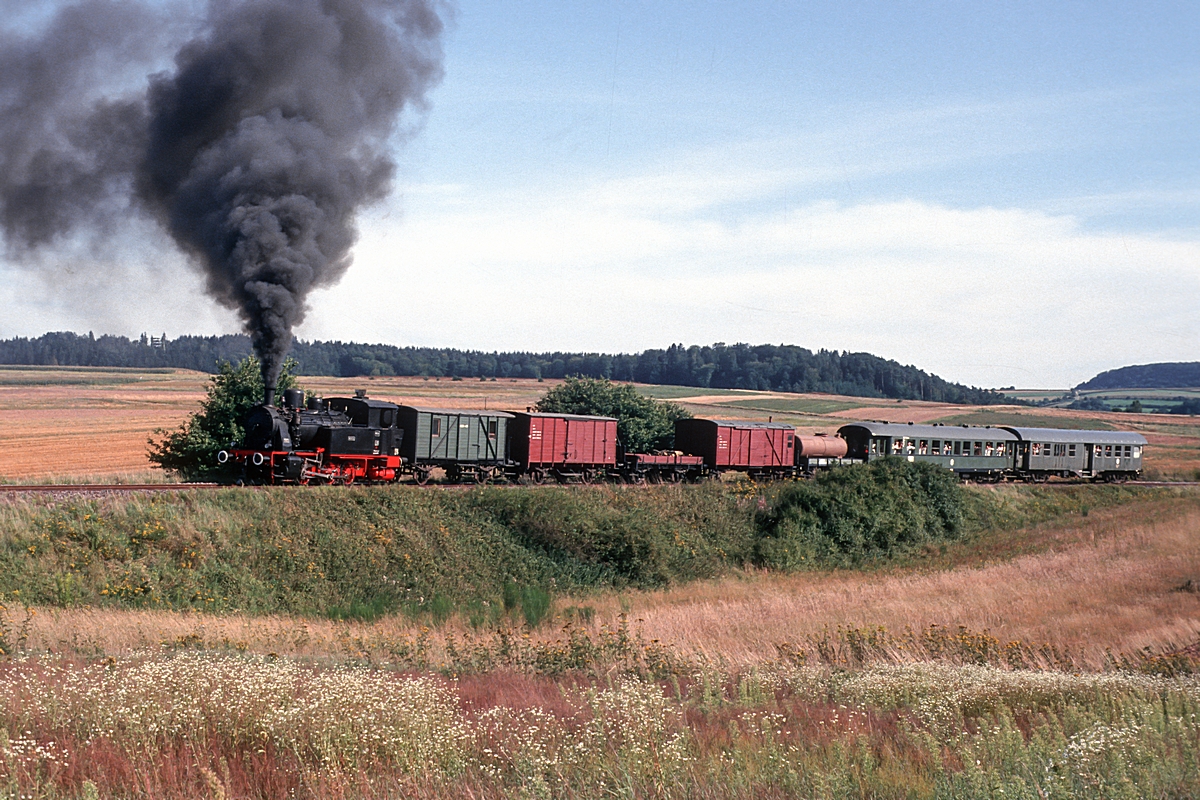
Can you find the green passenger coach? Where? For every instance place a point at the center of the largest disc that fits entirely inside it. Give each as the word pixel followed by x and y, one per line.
pixel 1043 453
pixel 975 453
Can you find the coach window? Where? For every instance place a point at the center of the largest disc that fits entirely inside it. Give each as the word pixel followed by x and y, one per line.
pixel 1108 451
pixel 936 447
pixel 1137 452
pixel 910 446
pixel 435 426
pixel 1071 450
pixel 1128 451
pixel 924 447
pixel 978 449
pixel 897 444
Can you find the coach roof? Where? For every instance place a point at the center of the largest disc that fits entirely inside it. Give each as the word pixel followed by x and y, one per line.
pixel 898 430
pixel 1077 437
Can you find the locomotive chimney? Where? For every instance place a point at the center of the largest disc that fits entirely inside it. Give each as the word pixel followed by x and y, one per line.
pixel 269 396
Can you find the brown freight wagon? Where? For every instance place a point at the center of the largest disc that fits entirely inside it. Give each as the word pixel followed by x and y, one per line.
pixel 563 446
pixel 759 448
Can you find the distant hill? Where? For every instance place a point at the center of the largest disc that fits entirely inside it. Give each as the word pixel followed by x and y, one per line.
pixel 784 368
pixel 1173 375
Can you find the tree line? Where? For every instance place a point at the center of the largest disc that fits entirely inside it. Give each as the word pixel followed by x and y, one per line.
pixel 786 368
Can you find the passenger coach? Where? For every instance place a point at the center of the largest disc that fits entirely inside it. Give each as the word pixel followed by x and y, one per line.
pixel 974 453
pixel 1043 453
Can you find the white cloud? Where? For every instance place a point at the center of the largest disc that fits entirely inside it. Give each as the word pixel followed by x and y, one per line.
pixel 983 295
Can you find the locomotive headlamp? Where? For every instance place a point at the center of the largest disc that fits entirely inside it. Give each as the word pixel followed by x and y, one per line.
pixel 222 457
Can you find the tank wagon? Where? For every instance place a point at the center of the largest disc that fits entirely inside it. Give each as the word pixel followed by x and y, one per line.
pixel 821 452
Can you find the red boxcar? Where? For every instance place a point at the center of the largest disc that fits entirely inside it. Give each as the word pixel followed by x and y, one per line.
pixel 756 447
pixel 563 445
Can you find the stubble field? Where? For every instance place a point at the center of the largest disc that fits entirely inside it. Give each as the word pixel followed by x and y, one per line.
pixel 83 424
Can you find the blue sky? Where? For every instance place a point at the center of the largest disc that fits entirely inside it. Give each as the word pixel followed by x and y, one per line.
pixel 1000 193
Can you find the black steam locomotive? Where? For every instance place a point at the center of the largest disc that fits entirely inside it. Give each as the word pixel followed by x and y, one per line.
pixel 337 441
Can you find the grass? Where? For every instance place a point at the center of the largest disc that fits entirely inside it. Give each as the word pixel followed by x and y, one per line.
pixel 1019 419
pixel 356 552
pixel 191 726
pixel 1045 650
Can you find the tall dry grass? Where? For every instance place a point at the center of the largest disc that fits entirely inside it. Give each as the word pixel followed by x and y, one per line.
pixel 1108 581
pixel 1112 580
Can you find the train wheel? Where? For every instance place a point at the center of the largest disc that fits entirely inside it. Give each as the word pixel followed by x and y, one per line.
pixel 421 474
pixel 537 476
pixel 587 476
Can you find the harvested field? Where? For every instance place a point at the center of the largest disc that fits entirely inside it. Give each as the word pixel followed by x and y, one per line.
pixel 92 424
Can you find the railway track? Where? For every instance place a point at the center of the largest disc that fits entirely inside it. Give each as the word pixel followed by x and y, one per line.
pixel 63 489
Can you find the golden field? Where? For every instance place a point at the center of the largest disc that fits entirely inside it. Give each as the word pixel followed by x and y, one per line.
pixel 92 424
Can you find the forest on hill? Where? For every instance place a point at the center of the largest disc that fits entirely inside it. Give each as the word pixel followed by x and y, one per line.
pixel 1171 375
pixel 785 368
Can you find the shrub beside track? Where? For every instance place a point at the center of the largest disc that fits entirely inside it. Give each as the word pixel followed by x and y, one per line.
pixel 366 552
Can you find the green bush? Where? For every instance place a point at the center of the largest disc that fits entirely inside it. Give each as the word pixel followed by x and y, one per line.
pixel 853 515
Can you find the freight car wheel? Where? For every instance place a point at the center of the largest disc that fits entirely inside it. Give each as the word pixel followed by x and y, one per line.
pixel 588 476
pixel 421 474
pixel 537 476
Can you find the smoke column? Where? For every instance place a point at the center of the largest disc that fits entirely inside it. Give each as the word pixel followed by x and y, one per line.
pixel 254 152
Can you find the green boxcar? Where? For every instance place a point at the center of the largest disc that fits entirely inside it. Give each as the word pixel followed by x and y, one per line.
pixel 972 452
pixel 442 437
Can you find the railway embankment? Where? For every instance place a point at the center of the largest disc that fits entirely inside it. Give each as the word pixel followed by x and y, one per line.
pixel 486 552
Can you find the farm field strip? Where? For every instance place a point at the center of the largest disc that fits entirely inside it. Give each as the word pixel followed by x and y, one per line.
pixel 75 421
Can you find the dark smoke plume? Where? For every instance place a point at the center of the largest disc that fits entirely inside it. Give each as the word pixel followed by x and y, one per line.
pixel 254 151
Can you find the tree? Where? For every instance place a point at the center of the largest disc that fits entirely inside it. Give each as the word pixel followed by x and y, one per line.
pixel 191 451
pixel 643 423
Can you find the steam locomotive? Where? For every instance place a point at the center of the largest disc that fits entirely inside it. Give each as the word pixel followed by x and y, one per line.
pixel 345 440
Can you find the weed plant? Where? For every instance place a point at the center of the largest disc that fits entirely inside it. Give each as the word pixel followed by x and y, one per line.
pixel 226 726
